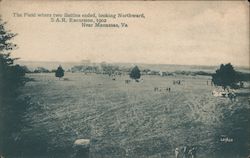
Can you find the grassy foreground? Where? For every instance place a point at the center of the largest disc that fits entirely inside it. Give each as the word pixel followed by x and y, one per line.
pixel 132 120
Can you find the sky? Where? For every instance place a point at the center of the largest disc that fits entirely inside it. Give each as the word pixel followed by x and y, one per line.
pixel 182 32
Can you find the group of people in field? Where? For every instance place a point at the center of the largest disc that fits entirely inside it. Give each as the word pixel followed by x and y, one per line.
pixel 167 89
pixel 227 93
pixel 224 92
pixel 178 82
pixel 160 89
pixel 137 80
pixel 185 152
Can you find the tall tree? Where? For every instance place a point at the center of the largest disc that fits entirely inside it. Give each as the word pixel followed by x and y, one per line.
pixel 12 76
pixel 135 73
pixel 225 76
pixel 59 72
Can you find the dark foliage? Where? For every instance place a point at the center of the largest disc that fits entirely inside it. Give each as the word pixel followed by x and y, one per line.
pixel 243 76
pixel 225 76
pixel 12 76
pixel 59 72
pixel 109 69
pixel 26 69
pixel 135 73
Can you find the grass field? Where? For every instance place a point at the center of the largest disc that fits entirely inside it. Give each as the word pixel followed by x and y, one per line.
pixel 132 120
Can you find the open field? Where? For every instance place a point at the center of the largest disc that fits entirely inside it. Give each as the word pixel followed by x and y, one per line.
pixel 133 120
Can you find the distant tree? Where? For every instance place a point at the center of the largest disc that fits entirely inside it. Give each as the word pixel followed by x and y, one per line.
pixel 225 76
pixel 26 69
pixel 135 73
pixel 41 70
pixel 109 69
pixel 59 72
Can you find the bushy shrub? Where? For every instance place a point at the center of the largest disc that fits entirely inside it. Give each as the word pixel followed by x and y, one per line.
pixel 59 72
pixel 135 73
pixel 225 76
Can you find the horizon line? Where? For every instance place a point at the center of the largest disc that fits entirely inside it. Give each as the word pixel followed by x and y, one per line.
pixel 243 66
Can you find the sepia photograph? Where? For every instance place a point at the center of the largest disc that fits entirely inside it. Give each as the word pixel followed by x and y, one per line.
pixel 124 79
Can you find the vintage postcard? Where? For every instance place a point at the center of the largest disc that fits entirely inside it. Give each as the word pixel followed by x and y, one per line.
pixel 124 79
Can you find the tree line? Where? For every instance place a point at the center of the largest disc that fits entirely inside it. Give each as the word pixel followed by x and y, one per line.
pixel 110 69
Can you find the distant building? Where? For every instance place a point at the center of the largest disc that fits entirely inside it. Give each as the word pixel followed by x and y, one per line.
pixel 153 72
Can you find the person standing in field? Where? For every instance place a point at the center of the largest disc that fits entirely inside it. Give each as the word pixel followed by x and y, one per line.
pixel 185 152
pixel 176 152
pixel 192 153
